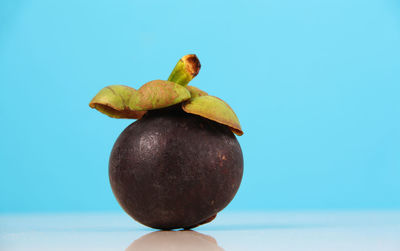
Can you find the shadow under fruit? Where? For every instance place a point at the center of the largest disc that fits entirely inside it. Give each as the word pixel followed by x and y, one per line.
pixel 180 163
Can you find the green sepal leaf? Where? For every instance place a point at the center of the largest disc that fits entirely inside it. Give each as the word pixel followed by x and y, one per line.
pixel 195 92
pixel 118 101
pixel 215 109
pixel 158 94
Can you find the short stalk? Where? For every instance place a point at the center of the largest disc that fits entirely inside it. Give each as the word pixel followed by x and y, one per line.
pixel 185 70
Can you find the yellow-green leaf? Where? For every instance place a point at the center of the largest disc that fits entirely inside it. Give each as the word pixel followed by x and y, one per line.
pixel 158 94
pixel 117 101
pixel 215 109
pixel 195 92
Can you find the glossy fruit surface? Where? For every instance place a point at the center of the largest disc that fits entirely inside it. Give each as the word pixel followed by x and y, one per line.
pixel 171 169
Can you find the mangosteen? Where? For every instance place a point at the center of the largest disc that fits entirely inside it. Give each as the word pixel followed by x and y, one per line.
pixel 179 163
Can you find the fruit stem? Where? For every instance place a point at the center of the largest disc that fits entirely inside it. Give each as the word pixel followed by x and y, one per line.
pixel 185 70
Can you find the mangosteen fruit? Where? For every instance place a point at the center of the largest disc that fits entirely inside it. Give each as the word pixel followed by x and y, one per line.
pixel 179 163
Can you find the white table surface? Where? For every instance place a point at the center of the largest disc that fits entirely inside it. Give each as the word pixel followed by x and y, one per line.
pixel 323 230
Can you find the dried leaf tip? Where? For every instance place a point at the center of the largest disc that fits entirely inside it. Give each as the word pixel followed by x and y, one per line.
pixel 192 64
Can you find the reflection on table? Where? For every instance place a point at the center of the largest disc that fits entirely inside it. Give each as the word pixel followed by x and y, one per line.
pixel 187 240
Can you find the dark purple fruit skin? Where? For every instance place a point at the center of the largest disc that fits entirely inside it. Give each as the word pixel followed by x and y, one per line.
pixel 171 169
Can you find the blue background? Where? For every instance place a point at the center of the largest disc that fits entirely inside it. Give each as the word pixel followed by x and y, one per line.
pixel 315 84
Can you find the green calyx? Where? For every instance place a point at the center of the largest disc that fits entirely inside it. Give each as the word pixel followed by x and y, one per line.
pixel 120 101
pixel 116 102
pixel 214 109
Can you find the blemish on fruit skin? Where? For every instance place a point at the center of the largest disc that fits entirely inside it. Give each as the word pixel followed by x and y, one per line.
pixel 222 159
